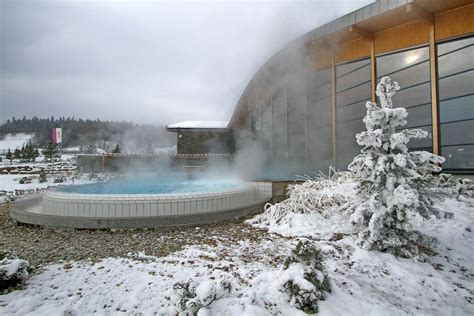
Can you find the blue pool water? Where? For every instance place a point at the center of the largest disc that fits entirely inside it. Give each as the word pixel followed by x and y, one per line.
pixel 155 185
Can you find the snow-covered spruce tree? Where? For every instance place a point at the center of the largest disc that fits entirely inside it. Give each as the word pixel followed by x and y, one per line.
pixel 394 189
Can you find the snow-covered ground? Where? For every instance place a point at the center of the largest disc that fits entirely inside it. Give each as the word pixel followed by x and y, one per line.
pixel 362 282
pixel 13 141
pixel 374 283
pixel 166 150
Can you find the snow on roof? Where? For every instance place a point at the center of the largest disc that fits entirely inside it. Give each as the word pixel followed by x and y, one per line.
pixel 200 124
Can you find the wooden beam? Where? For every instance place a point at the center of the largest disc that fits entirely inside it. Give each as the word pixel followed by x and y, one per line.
pixel 367 35
pixel 271 138
pixel 373 71
pixel 334 109
pixel 307 77
pixel 434 92
pixel 286 123
pixel 419 13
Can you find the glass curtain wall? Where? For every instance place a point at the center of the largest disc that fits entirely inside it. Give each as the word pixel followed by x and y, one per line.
pixel 319 120
pixel 279 126
pixel 353 84
pixel 411 69
pixel 256 124
pixel 456 103
pixel 266 134
pixel 296 122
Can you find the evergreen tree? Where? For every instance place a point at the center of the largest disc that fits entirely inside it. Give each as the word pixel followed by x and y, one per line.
pixel 17 154
pixel 9 155
pixel 28 152
pixel 91 148
pixel 22 153
pixel 149 150
pixel 392 193
pixel 36 154
pixel 42 177
pixel 50 151
pixel 116 149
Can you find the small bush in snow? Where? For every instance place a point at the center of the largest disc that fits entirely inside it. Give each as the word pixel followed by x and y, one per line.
pixel 394 191
pixel 304 277
pixel 60 179
pixel 445 185
pixel 12 272
pixel 42 177
pixel 190 297
pixel 25 180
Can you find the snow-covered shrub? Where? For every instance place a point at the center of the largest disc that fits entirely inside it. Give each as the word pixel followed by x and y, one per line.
pixel 448 186
pixel 12 272
pixel 190 297
pixel 59 179
pixel 394 191
pixel 314 196
pixel 42 177
pixel 25 180
pixel 304 277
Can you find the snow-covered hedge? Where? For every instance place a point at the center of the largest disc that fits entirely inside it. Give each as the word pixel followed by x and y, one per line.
pixel 319 195
pixel 12 272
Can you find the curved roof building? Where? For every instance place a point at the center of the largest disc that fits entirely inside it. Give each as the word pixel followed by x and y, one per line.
pixel 306 103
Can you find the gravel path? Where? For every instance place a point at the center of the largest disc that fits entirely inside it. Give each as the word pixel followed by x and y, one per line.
pixel 42 246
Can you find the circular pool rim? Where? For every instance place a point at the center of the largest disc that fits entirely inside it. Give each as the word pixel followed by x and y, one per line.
pixel 79 210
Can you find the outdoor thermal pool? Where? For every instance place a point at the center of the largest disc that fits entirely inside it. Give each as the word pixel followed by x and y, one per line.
pixel 151 201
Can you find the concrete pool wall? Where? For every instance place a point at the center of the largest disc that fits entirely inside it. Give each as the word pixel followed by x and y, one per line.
pixel 139 210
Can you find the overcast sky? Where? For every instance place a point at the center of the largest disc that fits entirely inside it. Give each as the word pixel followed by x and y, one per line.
pixel 155 62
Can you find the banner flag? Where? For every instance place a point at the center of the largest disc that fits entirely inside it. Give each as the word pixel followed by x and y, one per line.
pixel 57 135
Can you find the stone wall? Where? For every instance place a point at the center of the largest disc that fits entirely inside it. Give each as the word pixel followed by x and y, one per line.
pixel 204 142
pixel 94 163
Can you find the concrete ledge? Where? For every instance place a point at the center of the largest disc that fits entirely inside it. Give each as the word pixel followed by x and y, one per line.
pixel 19 212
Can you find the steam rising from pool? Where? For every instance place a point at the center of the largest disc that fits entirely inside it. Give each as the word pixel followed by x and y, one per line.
pixel 160 184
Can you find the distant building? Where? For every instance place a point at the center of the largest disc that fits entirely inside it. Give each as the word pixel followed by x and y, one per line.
pixel 202 137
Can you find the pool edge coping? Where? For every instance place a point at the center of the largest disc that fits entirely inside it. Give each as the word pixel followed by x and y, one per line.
pixel 18 213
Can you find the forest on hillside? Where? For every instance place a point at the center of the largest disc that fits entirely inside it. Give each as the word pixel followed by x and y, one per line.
pixel 80 132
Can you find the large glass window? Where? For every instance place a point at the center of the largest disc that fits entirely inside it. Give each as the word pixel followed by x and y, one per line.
pixel 296 120
pixel 456 103
pixel 319 120
pixel 279 126
pixel 266 134
pixel 411 69
pixel 353 84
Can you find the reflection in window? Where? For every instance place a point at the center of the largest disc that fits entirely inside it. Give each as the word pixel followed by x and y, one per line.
pixel 296 122
pixel 279 126
pixel 266 134
pixel 353 84
pixel 456 103
pixel 411 69
pixel 319 120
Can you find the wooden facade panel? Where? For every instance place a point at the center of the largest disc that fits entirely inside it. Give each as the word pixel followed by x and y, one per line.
pixel 455 22
pixel 406 35
pixel 354 49
pixel 321 58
